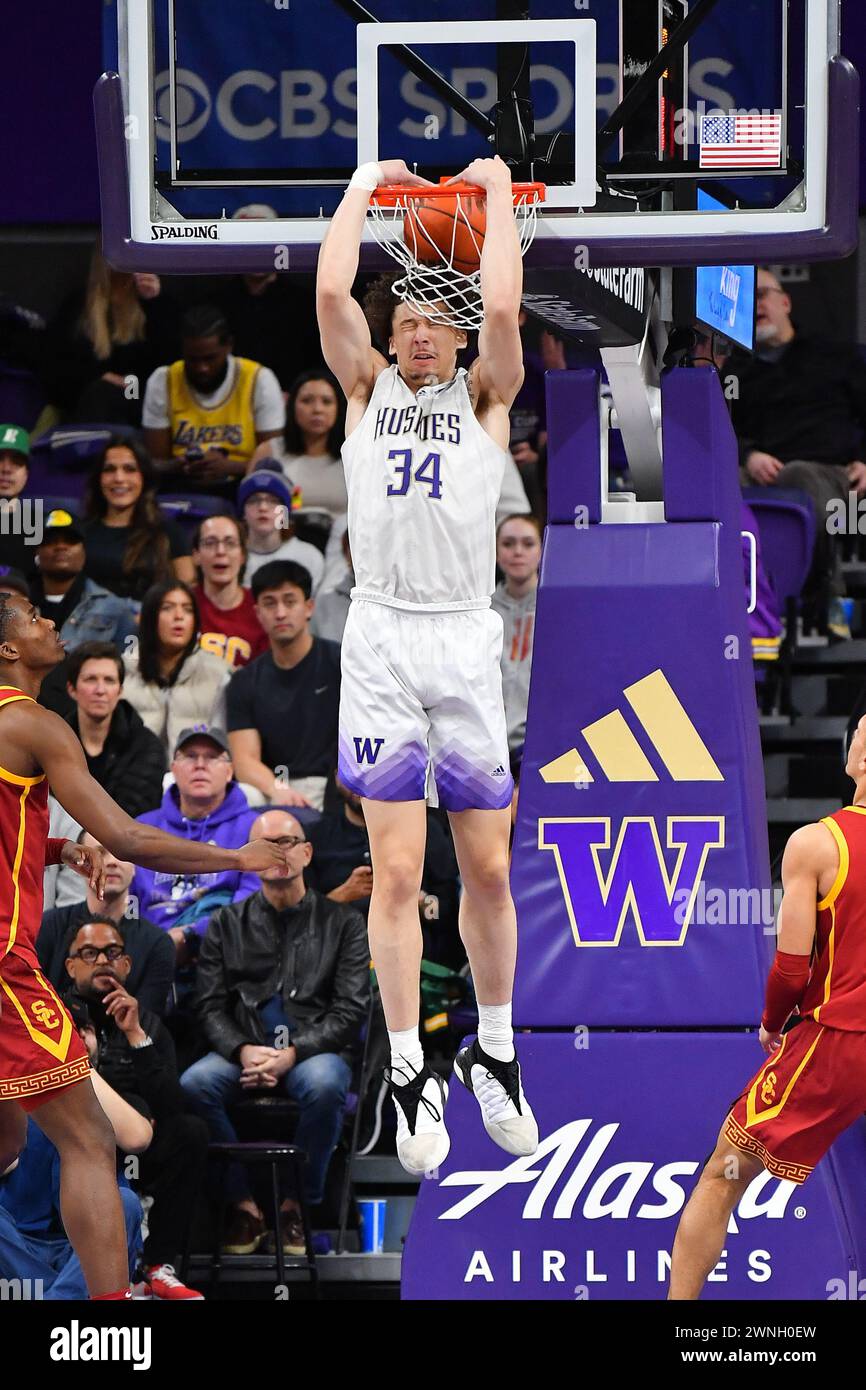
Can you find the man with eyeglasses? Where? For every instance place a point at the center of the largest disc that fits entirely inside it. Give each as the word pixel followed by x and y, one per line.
pixel 283 989
pixel 230 627
pixel 800 416
pixel 132 1050
pixel 206 804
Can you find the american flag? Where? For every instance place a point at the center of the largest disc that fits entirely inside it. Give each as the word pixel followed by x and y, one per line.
pixel 741 142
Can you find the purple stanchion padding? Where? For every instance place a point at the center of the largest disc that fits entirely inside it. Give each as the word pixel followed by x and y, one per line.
pixel 626 1122
pixel 640 868
pixel 574 451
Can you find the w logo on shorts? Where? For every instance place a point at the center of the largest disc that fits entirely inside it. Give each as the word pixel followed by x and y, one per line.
pixel 367 749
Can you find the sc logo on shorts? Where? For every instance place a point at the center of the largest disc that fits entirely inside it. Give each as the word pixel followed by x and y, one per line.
pixel 44 1014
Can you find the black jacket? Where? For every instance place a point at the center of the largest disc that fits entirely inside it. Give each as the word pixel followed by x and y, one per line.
pixel 809 404
pixel 151 949
pixel 315 955
pixel 132 764
pixel 146 1077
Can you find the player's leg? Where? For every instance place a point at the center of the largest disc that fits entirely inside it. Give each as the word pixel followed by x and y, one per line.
pixel 488 926
pixel 703 1225
pixel 90 1204
pixel 13 1133
pixel 398 833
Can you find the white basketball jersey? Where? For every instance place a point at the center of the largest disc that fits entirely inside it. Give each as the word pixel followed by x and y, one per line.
pixel 423 479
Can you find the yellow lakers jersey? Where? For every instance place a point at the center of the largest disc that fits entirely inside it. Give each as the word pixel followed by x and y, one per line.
pixel 229 426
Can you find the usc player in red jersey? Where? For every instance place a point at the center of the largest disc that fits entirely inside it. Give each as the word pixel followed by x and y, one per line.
pixel 43 1062
pixel 813 1084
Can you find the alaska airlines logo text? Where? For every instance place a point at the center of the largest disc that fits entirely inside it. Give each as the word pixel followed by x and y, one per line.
pixel 638 883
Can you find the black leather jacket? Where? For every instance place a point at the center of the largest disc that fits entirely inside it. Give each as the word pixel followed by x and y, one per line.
pixel 316 955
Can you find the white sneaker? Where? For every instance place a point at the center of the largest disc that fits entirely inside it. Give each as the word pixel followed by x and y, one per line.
pixel 505 1110
pixel 422 1139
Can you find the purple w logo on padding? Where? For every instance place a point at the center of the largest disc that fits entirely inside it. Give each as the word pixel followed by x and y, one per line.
pixel 365 751
pixel 638 882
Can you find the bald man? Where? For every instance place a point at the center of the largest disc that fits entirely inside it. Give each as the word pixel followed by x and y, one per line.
pixel 283 989
pixel 800 416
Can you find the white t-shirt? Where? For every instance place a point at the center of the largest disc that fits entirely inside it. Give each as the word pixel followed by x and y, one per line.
pixel 321 480
pixel 300 551
pixel 269 408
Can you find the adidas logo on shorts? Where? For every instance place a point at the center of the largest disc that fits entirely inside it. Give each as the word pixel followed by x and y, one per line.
pixel 498 771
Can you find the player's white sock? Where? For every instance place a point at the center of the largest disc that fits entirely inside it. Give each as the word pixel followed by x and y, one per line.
pixel 495 1033
pixel 407 1055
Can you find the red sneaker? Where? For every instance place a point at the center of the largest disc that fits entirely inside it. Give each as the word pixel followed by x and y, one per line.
pixel 165 1284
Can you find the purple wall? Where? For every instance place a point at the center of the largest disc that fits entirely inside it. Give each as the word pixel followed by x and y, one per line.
pixel 53 56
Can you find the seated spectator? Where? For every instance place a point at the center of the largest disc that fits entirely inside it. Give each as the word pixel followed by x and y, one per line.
pixel 172 683
pixel 206 804
pixel 150 949
pixel 800 418
pixel 130 545
pixel 124 756
pixel 33 1241
pixel 280 1015
pixel 259 308
pixel 341 868
pixel 310 452
pixel 282 709
pixel 121 326
pixel 518 555
pixel 81 609
pixel 133 1052
pixel 332 603
pixel 265 498
pixel 206 414
pixel 16 526
pixel 228 625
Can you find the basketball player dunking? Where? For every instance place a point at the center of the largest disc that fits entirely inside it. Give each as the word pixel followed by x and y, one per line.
pixel 43 1061
pixel 424 459
pixel 814 1084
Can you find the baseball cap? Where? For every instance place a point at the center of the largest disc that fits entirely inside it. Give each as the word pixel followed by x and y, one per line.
pixel 59 519
pixel 14 438
pixel 12 579
pixel 210 731
pixel 266 480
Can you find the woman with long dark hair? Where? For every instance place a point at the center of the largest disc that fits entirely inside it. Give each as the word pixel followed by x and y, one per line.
pixel 310 452
pixel 172 683
pixel 129 544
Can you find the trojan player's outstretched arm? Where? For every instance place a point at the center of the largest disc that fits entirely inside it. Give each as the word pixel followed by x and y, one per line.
pixel 346 342
pixel 53 746
pixel 499 367
pixel 809 868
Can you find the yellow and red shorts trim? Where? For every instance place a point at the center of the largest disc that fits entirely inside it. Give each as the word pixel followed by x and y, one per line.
pixel 801 1099
pixel 41 1051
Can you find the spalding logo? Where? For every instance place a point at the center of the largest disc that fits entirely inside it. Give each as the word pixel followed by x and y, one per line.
pixel 614 1191
pixel 186 231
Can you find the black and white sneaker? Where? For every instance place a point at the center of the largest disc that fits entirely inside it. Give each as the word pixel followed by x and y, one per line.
pixel 504 1108
pixel 422 1139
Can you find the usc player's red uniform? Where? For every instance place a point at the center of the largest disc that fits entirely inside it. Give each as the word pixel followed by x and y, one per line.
pixel 40 1049
pixel 814 1086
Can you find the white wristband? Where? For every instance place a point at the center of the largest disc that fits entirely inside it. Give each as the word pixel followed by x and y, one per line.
pixel 368 177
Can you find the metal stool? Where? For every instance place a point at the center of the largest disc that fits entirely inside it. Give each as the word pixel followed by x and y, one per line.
pixel 274 1154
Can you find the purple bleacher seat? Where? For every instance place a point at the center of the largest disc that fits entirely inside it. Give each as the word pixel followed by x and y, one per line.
pixel 787 525
pixel 22 396
pixel 189 508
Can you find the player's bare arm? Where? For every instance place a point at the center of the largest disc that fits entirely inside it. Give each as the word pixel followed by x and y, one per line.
pixel 40 741
pixel 346 342
pixel 497 373
pixel 809 868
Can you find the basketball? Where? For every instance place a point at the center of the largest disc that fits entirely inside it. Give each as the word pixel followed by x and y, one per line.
pixel 447 228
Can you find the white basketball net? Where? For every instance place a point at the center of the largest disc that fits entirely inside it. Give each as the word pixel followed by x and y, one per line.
pixel 442 292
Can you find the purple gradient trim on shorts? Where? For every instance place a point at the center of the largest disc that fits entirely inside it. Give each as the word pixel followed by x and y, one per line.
pixel 401 776
pixel 462 786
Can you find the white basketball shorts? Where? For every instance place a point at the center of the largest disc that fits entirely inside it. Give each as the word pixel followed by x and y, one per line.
pixel 422 691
